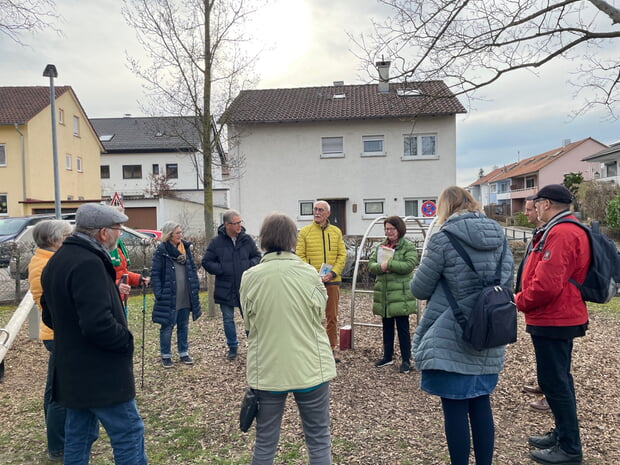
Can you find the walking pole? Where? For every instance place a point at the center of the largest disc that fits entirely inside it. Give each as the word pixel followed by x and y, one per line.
pixel 125 296
pixel 143 283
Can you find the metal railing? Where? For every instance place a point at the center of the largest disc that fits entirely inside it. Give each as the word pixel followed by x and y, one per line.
pixel 26 310
pixel 416 231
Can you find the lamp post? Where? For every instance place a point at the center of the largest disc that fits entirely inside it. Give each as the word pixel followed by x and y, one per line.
pixel 50 71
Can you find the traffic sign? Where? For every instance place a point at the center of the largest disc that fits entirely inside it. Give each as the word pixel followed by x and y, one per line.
pixel 429 209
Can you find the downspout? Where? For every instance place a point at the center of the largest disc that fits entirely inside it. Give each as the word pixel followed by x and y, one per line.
pixel 21 137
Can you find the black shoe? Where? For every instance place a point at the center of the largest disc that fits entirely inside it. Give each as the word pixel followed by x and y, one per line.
pixel 232 353
pixel 543 442
pixel 187 360
pixel 555 456
pixel 56 456
pixel 166 362
pixel 384 362
pixel 405 367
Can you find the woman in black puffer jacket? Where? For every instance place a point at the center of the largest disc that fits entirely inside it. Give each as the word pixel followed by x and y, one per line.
pixel 175 285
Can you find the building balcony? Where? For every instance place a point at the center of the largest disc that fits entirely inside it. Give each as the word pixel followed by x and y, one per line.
pixel 503 196
pixel 523 193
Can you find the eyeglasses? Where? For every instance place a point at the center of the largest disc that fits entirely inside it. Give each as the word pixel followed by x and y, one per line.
pixel 238 223
pixel 390 229
pixel 115 229
pixel 320 210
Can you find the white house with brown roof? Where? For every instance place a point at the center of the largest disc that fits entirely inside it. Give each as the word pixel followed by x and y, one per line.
pixel 507 188
pixel 369 150
pixel 26 155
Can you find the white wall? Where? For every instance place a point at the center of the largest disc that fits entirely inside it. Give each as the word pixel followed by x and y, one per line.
pixel 283 166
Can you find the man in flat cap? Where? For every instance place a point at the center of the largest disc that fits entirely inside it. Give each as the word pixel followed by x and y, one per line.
pixel 93 374
pixel 555 314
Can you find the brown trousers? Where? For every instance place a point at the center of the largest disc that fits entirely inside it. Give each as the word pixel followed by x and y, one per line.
pixel 331 314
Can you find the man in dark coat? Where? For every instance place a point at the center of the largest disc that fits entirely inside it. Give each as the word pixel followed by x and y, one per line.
pixel 93 374
pixel 228 255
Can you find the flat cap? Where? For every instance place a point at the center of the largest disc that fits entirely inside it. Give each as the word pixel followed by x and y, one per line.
pixel 95 216
pixel 555 192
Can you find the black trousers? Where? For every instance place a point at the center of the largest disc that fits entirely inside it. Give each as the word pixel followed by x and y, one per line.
pixel 553 363
pixel 404 337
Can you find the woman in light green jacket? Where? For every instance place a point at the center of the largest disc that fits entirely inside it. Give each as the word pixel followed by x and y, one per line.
pixel 288 349
pixel 393 262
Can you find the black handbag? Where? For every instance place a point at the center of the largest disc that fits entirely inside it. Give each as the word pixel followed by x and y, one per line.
pixel 249 409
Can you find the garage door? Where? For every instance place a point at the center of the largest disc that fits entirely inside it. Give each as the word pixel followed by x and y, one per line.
pixel 142 217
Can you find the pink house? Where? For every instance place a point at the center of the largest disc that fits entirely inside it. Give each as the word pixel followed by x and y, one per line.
pixel 509 186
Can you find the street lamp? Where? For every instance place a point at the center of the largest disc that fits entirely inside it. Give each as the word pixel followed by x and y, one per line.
pixel 50 71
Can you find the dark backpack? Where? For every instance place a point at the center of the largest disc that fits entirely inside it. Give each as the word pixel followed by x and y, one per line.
pixel 493 318
pixel 603 276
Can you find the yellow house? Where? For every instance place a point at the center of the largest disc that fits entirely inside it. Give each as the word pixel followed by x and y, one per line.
pixel 26 155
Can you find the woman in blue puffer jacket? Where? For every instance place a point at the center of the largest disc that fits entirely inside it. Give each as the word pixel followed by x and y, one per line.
pixel 175 284
pixel 460 375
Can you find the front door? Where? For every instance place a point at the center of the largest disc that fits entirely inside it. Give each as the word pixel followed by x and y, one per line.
pixel 338 216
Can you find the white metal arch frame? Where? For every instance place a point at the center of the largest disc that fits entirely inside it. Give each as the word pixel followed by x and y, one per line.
pixel 417 227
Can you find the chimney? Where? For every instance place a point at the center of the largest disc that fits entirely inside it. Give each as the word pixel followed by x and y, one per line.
pixel 384 76
pixel 565 142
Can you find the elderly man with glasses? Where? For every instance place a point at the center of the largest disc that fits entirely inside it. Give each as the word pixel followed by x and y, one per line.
pixel 93 347
pixel 555 314
pixel 320 244
pixel 228 255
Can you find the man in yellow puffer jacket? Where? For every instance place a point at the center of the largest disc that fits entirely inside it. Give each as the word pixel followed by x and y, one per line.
pixel 320 244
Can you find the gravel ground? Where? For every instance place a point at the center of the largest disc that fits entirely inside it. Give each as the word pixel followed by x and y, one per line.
pixel 379 416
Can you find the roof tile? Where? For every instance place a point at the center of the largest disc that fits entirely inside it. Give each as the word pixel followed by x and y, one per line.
pixel 360 102
pixel 21 104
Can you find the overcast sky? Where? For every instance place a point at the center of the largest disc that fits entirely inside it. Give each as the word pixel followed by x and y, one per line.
pixel 523 115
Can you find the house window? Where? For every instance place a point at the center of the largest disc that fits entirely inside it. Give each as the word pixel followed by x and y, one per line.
pixel 529 183
pixel 4 204
pixel 68 161
pixel 2 155
pixel 305 207
pixel 155 170
pixel 411 207
pixel 78 164
pixel 332 147
pixel 420 146
pixel 493 188
pixel 76 126
pixel 61 116
pixel 105 171
pixel 172 171
pixel 373 207
pixel 611 169
pixel 373 146
pixel 132 171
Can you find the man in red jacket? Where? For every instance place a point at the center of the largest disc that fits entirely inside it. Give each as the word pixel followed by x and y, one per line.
pixel 555 314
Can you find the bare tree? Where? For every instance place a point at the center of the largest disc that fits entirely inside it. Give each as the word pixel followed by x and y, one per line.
pixel 18 16
pixel 472 43
pixel 197 63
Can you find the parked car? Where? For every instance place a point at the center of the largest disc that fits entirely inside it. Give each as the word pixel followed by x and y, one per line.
pixel 12 227
pixel 140 248
pixel 154 233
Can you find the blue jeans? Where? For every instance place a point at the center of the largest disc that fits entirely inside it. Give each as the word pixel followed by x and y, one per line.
pixel 123 424
pixel 553 363
pixel 314 412
pixel 230 330
pixel 55 413
pixel 165 335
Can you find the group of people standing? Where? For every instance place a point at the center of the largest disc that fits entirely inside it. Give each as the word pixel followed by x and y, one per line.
pixel 294 286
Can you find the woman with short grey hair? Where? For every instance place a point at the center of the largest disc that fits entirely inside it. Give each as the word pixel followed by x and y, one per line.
pixel 288 349
pixel 48 235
